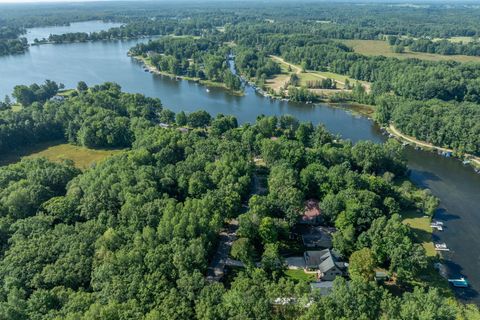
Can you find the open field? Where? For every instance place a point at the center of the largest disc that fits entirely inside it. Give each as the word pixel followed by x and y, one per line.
pixel 382 48
pixel 458 39
pixel 58 151
pixel 420 225
pixel 309 75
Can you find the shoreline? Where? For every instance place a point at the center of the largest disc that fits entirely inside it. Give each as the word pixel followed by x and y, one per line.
pixel 208 83
pixel 474 160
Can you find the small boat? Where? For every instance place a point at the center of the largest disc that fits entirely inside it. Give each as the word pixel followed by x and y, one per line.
pixel 438 227
pixel 441 247
pixel 208 90
pixel 459 283
pixel 466 162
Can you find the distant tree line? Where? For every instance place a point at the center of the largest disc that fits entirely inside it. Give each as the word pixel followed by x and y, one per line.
pixel 444 47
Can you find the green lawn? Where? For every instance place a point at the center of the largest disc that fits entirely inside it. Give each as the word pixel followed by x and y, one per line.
pixel 58 151
pixel 299 275
pixel 422 231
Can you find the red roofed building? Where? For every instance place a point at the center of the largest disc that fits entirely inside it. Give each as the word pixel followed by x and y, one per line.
pixel 311 214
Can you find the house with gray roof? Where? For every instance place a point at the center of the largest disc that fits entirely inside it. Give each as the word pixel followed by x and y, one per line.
pixel 316 237
pixel 326 263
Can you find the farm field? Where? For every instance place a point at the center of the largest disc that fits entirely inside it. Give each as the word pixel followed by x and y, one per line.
pixel 381 48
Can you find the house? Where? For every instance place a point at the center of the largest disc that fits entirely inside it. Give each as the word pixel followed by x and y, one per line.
pixel 311 214
pixel 164 125
pixel 326 263
pixel 316 237
pixel 57 98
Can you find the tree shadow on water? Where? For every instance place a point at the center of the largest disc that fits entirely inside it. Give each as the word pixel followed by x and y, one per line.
pixel 420 177
pixel 469 294
pixel 444 215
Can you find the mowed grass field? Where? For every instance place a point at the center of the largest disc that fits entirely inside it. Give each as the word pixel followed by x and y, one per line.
pixel 382 48
pixel 288 69
pixel 82 157
pixel 422 232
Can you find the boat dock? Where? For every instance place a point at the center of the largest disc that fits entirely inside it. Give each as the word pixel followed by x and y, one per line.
pixel 441 247
pixel 437 225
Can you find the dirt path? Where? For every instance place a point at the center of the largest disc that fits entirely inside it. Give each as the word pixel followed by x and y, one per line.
pixel 397 133
pixel 281 60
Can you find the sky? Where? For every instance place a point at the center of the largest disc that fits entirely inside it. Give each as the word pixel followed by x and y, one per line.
pixel 32 1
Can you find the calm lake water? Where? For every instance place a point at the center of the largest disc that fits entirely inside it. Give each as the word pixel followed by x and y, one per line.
pixel 457 186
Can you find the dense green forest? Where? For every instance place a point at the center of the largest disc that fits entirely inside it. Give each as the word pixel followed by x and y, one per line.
pixel 106 117
pixel 132 237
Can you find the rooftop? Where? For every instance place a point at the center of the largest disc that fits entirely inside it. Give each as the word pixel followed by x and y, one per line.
pixel 317 237
pixel 311 213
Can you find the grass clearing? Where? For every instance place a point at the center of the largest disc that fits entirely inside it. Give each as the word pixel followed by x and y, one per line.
pixel 300 275
pixel 422 232
pixel 382 48
pixel 58 151
pixel 464 40
pixel 309 75
pixel 82 157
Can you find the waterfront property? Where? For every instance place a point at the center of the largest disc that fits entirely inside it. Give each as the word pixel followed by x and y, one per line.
pixel 326 262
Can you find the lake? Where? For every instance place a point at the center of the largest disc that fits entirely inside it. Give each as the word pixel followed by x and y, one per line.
pixel 457 186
